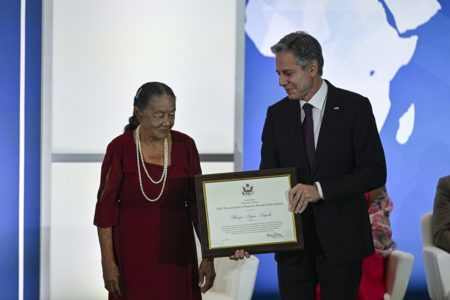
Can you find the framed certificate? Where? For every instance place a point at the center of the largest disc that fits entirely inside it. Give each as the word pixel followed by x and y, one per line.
pixel 247 210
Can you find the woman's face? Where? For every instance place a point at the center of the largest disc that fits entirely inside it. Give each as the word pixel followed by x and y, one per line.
pixel 158 117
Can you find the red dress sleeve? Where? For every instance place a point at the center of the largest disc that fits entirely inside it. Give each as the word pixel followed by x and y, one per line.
pixel 107 207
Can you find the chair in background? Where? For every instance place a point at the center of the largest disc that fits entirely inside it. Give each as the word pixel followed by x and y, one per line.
pixel 235 280
pixel 398 270
pixel 436 262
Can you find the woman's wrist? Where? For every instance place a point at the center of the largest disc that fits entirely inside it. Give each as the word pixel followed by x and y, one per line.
pixel 108 261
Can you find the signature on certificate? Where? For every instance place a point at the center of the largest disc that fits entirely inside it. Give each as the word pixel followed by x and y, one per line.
pixel 274 235
pixel 265 214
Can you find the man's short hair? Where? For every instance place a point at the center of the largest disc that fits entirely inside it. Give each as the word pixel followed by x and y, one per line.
pixel 304 46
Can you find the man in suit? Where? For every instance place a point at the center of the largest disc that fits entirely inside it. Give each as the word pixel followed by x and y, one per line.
pixel 335 146
pixel 441 215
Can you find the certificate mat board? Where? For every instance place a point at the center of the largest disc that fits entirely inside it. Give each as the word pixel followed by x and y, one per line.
pixel 247 210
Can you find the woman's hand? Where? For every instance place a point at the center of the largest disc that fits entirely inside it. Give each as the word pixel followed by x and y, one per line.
pixel 239 254
pixel 111 276
pixel 111 272
pixel 206 274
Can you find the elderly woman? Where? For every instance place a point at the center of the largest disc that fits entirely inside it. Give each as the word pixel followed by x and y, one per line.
pixel 146 206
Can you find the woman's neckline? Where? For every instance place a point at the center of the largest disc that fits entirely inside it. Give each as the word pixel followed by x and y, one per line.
pixel 170 155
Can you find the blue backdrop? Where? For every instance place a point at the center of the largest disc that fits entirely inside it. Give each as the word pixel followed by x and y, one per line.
pixel 9 137
pixel 10 34
pixel 418 95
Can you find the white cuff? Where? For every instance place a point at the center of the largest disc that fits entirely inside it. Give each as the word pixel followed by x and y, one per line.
pixel 319 188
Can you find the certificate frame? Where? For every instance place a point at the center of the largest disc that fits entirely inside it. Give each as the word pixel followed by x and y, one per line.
pixel 207 212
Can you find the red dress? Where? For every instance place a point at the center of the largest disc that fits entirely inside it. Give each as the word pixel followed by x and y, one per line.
pixel 153 242
pixel 372 285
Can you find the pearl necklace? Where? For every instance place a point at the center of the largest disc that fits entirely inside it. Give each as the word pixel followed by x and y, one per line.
pixel 163 178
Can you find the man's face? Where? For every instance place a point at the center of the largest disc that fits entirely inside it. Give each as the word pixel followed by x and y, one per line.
pixel 298 83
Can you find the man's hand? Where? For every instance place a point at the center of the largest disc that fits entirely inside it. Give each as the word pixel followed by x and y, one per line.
pixel 239 254
pixel 206 274
pixel 300 195
pixel 111 277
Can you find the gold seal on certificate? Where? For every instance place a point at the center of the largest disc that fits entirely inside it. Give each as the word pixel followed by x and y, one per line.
pixel 247 210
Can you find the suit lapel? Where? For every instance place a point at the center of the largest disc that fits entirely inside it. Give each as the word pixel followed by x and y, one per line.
pixel 331 116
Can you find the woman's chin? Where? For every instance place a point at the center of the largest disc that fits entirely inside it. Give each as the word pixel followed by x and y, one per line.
pixel 164 135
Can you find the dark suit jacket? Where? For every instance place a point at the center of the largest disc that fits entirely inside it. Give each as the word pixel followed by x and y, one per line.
pixel 441 215
pixel 349 161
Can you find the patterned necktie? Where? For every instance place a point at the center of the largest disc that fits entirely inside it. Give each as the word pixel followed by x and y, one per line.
pixel 308 133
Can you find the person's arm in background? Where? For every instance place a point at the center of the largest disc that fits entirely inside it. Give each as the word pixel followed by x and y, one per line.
pixel 373 195
pixel 441 215
pixel 380 207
